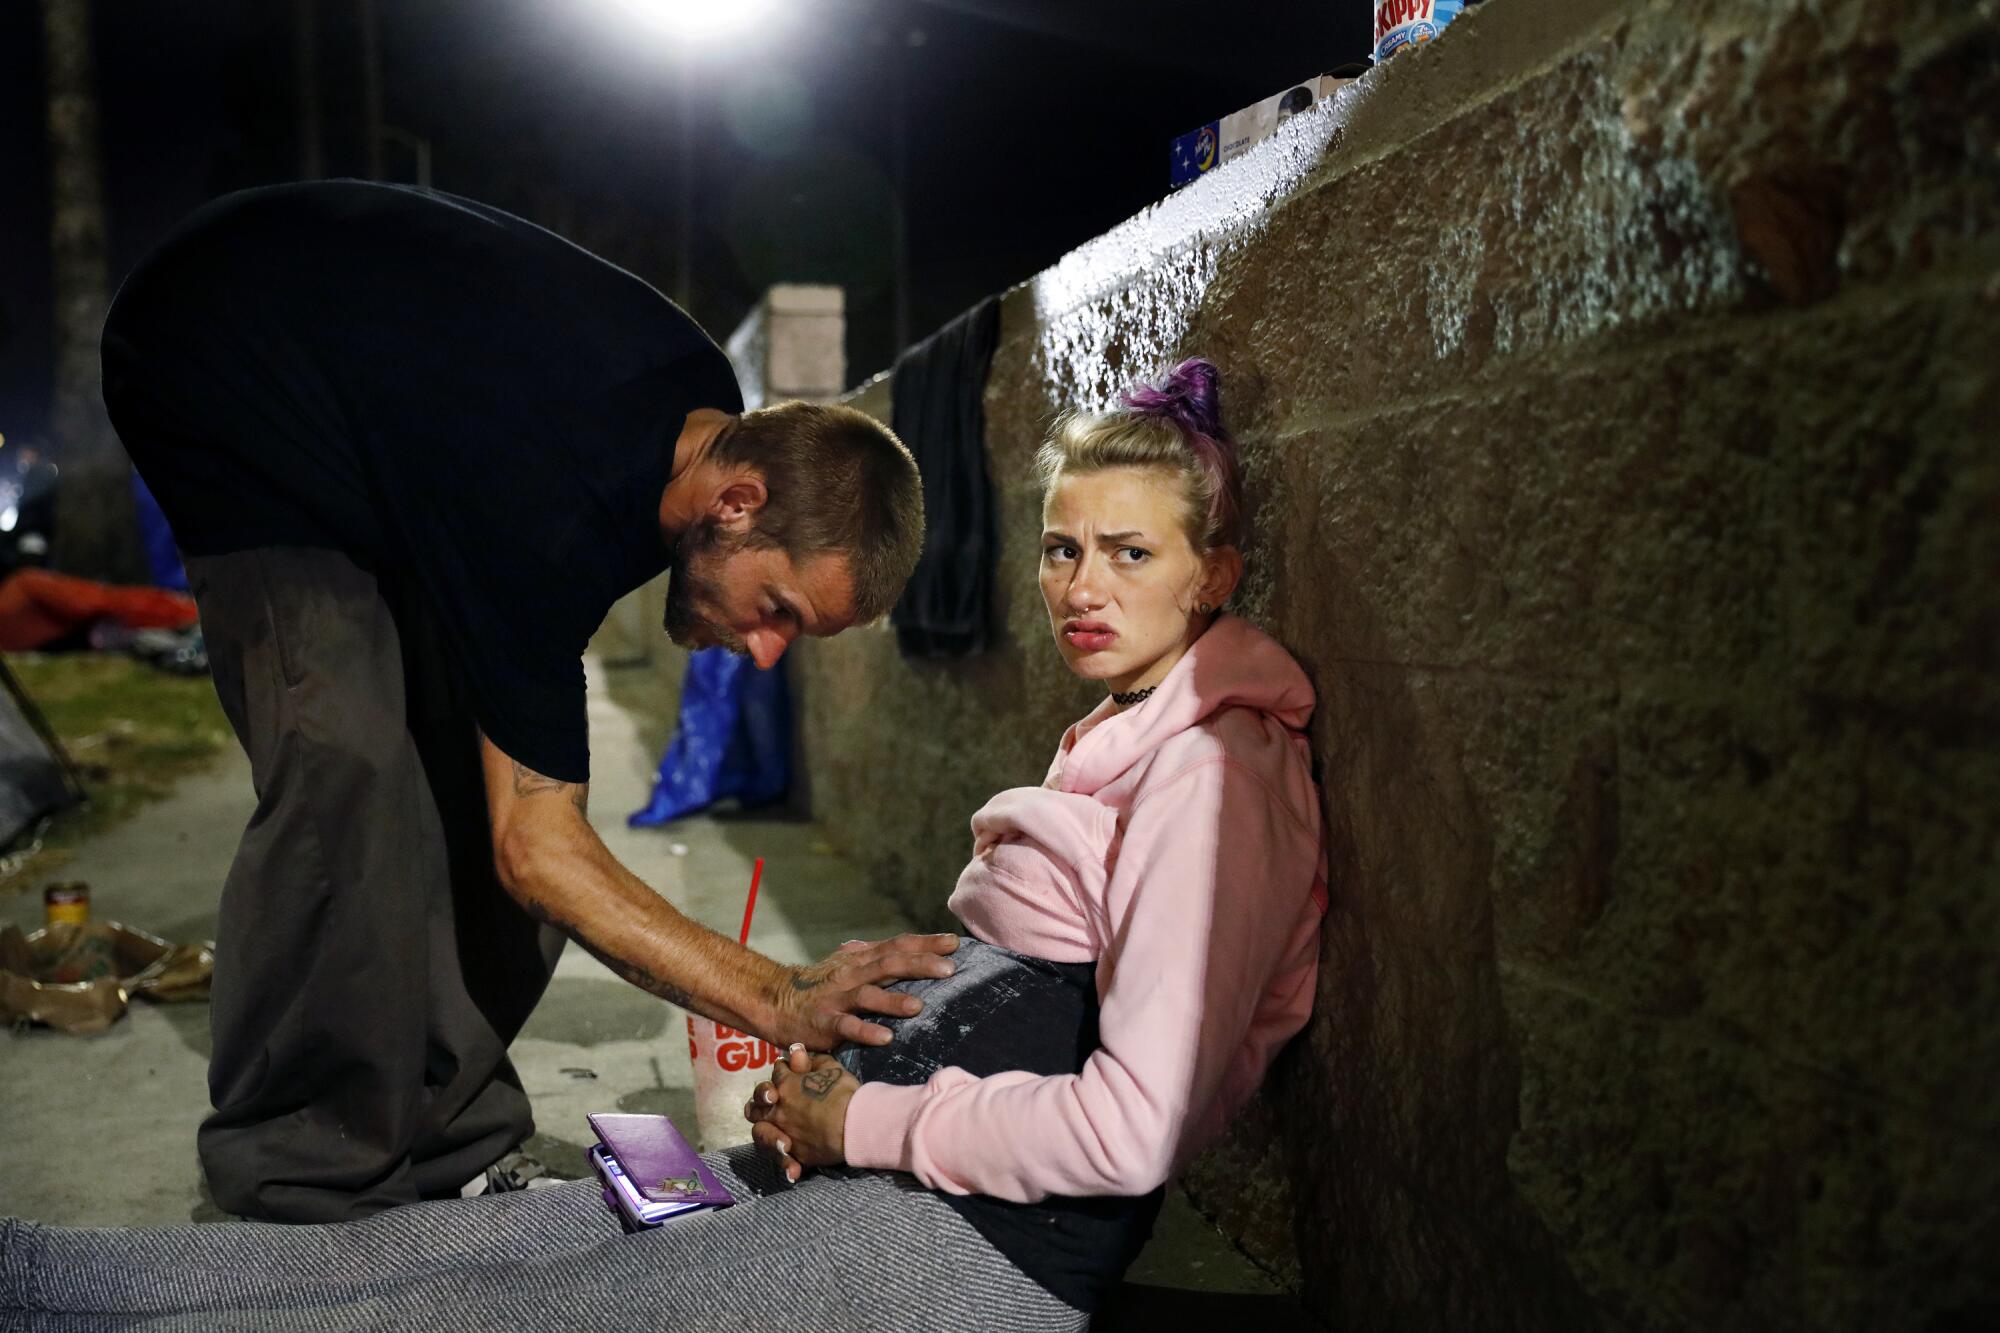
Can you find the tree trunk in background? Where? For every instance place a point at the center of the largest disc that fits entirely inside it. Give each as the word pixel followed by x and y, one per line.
pixel 96 535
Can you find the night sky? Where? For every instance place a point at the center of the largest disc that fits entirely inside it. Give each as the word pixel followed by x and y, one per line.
pixel 1032 126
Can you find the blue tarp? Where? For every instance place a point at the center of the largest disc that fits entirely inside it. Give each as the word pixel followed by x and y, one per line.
pixel 162 556
pixel 734 738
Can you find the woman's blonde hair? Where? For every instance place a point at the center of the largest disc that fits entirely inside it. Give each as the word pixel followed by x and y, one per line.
pixel 1175 425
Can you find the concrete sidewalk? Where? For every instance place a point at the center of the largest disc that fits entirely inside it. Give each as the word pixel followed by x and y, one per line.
pixel 100 1130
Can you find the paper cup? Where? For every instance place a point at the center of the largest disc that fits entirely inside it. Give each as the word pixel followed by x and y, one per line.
pixel 727 1065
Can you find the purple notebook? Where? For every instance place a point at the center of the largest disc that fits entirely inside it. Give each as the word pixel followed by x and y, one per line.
pixel 649 1171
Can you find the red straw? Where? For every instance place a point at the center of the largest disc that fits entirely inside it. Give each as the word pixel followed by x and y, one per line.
pixel 756 873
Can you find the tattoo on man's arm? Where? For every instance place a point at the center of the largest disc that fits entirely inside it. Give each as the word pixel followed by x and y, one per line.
pixel 645 980
pixel 527 782
pixel 631 972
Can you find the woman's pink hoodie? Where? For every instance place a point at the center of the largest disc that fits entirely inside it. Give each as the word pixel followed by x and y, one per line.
pixel 1178 843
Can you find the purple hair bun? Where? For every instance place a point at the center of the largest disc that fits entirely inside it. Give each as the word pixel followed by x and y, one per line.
pixel 1191 398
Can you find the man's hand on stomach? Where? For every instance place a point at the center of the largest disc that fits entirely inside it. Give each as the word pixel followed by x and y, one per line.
pixel 822 1003
pixel 552 863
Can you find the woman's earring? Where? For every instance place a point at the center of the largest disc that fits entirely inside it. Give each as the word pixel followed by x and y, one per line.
pixel 1202 607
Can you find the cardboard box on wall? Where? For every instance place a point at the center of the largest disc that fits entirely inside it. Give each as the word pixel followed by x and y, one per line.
pixel 1208 147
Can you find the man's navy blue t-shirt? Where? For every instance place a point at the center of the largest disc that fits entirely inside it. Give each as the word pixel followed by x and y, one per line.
pixel 440 390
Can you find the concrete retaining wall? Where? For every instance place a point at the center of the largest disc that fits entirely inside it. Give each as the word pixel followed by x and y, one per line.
pixel 1618 389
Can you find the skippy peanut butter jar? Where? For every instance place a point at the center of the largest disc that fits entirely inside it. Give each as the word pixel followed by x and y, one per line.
pixel 1401 23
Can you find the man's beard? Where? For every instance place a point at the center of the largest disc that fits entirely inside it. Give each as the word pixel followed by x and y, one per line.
pixel 694 576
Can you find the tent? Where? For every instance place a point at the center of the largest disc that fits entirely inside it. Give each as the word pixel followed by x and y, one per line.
pixel 36 776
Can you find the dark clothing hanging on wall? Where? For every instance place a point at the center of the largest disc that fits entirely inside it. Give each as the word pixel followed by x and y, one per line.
pixel 939 411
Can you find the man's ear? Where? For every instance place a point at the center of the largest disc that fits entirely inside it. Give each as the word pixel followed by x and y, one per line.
pixel 1221 571
pixel 735 503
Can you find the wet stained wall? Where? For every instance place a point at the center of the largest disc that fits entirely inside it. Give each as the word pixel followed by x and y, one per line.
pixel 1618 388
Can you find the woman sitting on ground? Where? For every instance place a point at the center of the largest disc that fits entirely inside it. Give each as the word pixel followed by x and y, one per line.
pixel 1144 937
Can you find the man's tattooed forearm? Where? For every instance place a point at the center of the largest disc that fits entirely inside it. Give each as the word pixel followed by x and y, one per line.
pixel 645 980
pixel 631 972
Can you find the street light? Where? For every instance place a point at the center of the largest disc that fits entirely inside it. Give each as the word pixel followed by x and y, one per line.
pixel 696 22
pixel 690 28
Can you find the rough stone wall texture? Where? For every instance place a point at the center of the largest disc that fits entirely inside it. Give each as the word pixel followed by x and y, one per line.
pixel 1617 385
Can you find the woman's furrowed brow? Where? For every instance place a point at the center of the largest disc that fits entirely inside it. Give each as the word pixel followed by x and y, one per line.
pixel 1103 538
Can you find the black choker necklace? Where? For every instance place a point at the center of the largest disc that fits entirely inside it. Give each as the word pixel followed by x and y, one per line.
pixel 1130 697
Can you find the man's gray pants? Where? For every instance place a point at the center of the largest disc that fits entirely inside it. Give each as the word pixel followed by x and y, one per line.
pixel 370 970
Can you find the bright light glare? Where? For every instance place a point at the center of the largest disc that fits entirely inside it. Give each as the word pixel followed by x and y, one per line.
pixel 696 21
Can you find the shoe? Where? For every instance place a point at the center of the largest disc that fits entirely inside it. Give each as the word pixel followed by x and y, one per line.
pixel 515 1171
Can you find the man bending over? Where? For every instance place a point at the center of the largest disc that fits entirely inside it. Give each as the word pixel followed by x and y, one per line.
pixel 414 449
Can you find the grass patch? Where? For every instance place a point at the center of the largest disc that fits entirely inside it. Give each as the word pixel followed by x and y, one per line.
pixel 133 731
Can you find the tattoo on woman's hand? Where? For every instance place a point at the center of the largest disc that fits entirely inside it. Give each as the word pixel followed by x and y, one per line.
pixel 821 1082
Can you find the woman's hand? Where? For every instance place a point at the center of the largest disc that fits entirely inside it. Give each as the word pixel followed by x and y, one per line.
pixel 801 1114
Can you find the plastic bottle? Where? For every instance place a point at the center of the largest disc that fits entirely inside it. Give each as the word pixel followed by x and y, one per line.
pixel 67 903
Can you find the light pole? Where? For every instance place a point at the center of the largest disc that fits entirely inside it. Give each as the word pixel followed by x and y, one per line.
pixel 305 73
pixel 371 83
pixel 683 178
pixel 691 27
pixel 900 47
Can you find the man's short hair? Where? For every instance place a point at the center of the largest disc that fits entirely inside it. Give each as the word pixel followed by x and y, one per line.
pixel 839 482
